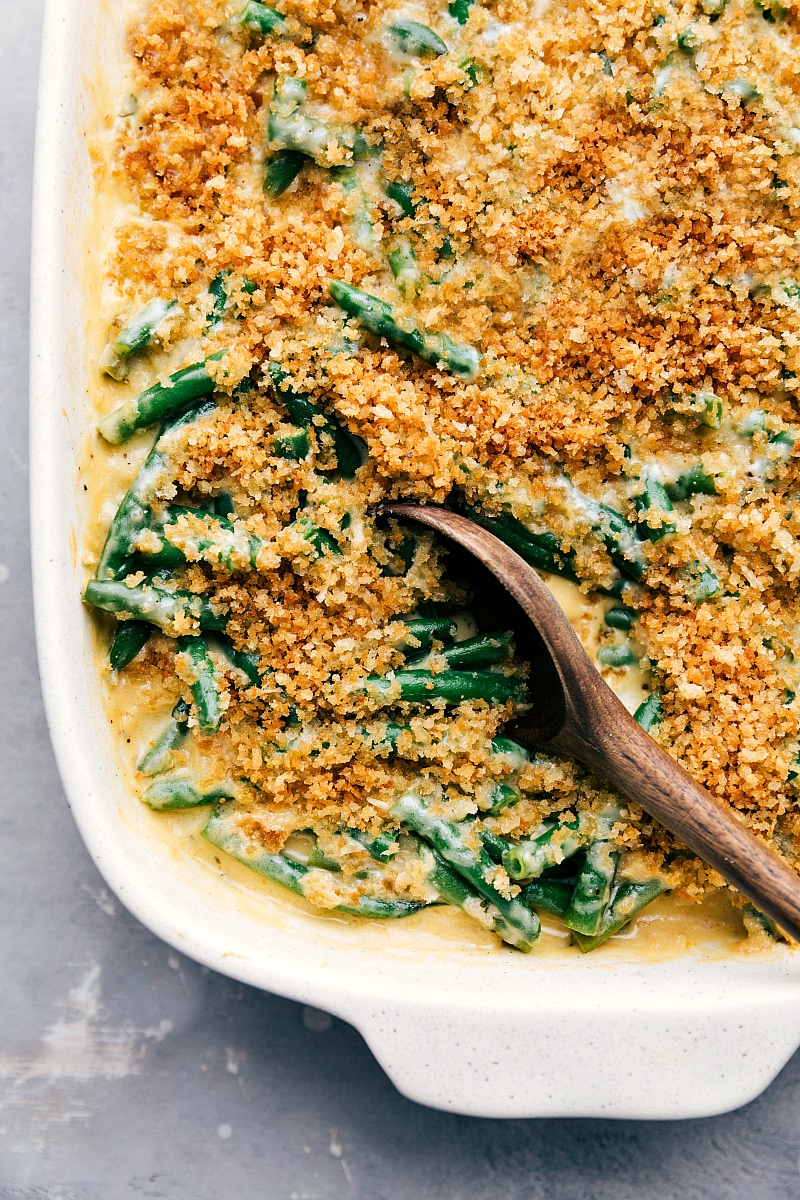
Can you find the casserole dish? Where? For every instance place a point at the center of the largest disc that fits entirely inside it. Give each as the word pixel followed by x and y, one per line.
pixel 473 1031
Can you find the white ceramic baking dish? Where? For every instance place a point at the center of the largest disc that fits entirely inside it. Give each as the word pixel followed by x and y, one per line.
pixel 485 1033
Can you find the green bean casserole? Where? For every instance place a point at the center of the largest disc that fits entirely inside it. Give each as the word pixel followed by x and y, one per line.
pixel 535 262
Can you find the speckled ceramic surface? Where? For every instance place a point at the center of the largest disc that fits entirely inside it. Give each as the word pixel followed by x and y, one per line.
pixel 485 1034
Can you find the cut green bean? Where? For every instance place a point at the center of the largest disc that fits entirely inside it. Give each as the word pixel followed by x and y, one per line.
pixel 541 550
pixel 552 846
pixel 218 290
pixel 204 683
pixel 260 19
pixel 454 687
pixel 702 582
pixel 318 540
pixel 620 617
pixel 549 895
pixel 290 127
pixel 456 891
pixel 294 446
pixel 403 264
pixel 402 194
pixel 650 712
pixel 617 656
pixel 420 632
pixel 480 651
pixel 494 846
pixel 459 10
pixel 146 602
pixel 592 890
pixel 304 412
pixel 136 510
pixel 695 481
pixel 180 792
pixel 654 501
pixel 129 638
pixel 224 832
pixel 177 539
pixel 410 37
pixel 627 902
pixel 158 758
pixel 245 661
pixel 282 168
pixel 134 337
pixel 160 401
pixel 382 848
pixel 503 796
pixel 378 317
pixel 474 866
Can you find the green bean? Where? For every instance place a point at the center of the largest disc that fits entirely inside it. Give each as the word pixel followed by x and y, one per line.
pixel 158 757
pixel 410 37
pixel 219 293
pixel 318 540
pixel 260 19
pixel 403 263
pixel 549 895
pixel 146 602
pixel 246 661
pixel 420 632
pixel 219 541
pixel 617 656
pixel 702 582
pixel 514 755
pixel 204 683
pixel 650 712
pixel 224 832
pixel 456 891
pixel 753 916
pixel 503 796
pixel 303 411
pixel 294 446
pixel 494 846
pixel 459 10
pixel 541 550
pixel 135 336
pixel 474 866
pixel 478 651
pixel 402 194
pixel 553 845
pixel 592 890
pixel 454 687
pixel 136 510
pixel 129 639
pixel 692 482
pixel 282 168
pixel 618 535
pixel 377 316
pixel 160 401
pixel 179 792
pixel 289 127
pixel 620 617
pixel 654 499
pixel 627 901
pixel 382 848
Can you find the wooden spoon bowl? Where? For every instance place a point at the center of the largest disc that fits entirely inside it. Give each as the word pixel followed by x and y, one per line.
pixel 574 712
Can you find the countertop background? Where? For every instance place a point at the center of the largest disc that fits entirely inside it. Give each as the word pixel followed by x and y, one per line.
pixel 127 1071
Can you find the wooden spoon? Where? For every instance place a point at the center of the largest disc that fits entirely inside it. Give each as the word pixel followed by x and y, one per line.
pixel 574 711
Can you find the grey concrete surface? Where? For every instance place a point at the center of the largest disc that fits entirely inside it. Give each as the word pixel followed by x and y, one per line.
pixel 130 1073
